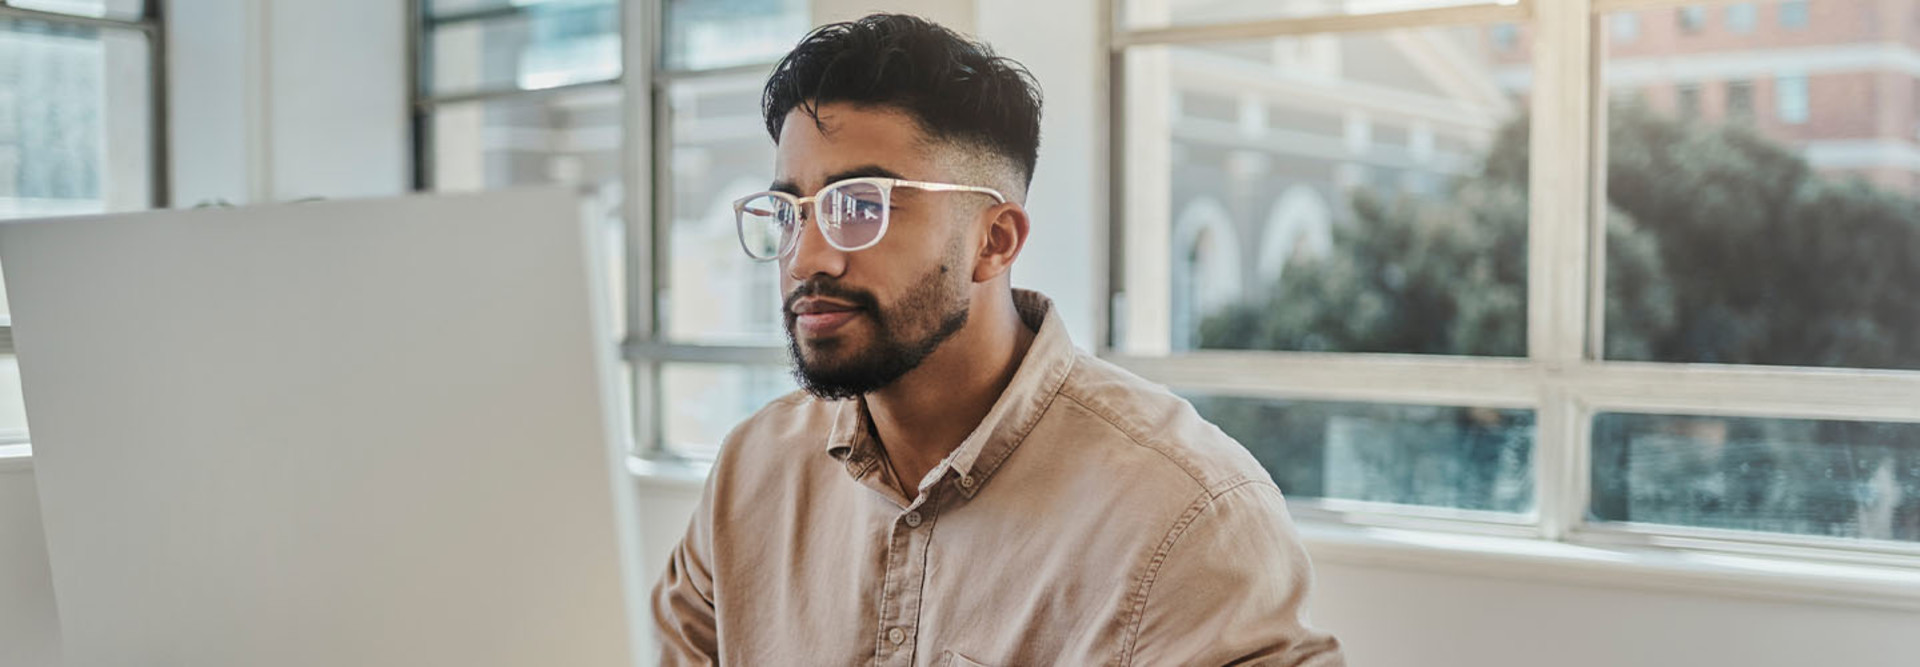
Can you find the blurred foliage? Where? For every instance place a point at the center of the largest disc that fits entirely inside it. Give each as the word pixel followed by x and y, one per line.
pixel 1722 247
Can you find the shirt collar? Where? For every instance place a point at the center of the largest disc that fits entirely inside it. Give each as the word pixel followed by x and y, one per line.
pixel 1034 385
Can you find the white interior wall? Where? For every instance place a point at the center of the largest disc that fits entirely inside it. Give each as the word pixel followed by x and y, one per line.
pixel 1060 42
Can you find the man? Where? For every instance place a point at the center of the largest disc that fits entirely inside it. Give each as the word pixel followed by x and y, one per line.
pixel 956 484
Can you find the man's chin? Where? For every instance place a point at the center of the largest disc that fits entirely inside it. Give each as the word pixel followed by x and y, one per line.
pixel 833 379
pixel 828 352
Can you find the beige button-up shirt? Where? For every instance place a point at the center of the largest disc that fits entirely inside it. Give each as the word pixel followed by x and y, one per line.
pixel 1092 518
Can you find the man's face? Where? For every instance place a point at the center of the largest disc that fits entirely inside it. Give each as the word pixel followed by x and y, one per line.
pixel 858 321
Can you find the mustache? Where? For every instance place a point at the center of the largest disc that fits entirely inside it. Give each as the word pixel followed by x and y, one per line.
pixel 829 288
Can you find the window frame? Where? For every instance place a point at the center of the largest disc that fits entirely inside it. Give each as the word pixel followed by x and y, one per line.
pixel 1743 18
pixel 645 81
pixel 1748 90
pixel 1564 377
pixel 1691 19
pixel 150 25
pixel 1793 98
pixel 1801 16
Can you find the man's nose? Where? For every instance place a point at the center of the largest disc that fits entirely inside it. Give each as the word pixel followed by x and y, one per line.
pixel 812 255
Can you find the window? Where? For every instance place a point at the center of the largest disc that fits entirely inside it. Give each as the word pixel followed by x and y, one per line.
pixel 1170 13
pixel 1694 325
pixel 1793 14
pixel 122 10
pixel 1851 479
pixel 1792 92
pixel 1506 36
pixel 1686 98
pixel 486 48
pixel 1693 19
pixel 1740 101
pixel 77 103
pixel 1795 272
pixel 1326 231
pixel 516 92
pixel 1743 18
pixel 716 149
pixel 1331 212
pixel 1356 454
pixel 1625 27
pixel 525 93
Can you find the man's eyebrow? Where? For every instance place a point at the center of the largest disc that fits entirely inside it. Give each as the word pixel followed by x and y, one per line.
pixel 863 171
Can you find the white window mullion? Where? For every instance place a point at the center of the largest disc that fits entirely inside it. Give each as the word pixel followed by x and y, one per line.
pixel 1558 248
pixel 1561 446
pixel 1156 12
pixel 1487 382
pixel 639 25
pixel 1749 391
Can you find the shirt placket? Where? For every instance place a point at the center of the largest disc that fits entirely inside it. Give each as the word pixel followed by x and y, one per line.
pixel 904 586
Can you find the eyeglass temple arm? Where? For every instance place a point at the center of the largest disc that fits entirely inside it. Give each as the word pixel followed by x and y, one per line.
pixel 949 187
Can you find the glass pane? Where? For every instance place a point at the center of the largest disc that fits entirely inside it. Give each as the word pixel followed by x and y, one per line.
pixel 455 8
pixel 705 34
pixel 1834 478
pixel 13 413
pixel 1461 458
pixel 1361 192
pixel 712 292
pixel 572 138
pixel 705 401
pixel 75 133
pixel 1147 14
pixel 129 10
pixel 538 46
pixel 1763 190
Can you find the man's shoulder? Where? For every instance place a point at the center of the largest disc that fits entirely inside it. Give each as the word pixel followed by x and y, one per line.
pixel 794 417
pixel 1168 436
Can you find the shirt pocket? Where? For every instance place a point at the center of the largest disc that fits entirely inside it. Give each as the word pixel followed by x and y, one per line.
pixel 953 659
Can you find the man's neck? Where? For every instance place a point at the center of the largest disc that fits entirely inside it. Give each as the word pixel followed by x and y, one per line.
pixel 927 413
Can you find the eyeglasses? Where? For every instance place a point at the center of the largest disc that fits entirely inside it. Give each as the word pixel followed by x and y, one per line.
pixel 851 214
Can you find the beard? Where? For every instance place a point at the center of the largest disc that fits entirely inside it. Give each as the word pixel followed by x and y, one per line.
pixel 904 335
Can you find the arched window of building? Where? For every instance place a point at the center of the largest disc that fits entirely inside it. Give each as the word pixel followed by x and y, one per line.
pixel 1206 267
pixel 1301 225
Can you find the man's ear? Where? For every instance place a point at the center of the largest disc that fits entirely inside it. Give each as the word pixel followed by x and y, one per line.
pixel 1005 237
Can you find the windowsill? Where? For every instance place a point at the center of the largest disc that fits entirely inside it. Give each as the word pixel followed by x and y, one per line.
pixel 1654 570
pixel 15 458
pixel 669 474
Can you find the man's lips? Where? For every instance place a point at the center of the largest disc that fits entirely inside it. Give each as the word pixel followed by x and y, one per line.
pixel 812 305
pixel 817 317
pixel 818 324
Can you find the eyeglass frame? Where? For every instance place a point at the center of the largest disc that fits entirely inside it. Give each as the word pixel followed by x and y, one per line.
pixel 885 185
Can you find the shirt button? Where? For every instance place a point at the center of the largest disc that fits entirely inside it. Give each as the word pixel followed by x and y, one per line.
pixel 967 481
pixel 913 521
pixel 896 635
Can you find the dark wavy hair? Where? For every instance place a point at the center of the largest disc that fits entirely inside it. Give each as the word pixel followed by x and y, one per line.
pixel 955 88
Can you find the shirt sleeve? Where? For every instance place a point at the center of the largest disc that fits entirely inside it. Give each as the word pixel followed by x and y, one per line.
pixel 683 612
pixel 1231 589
